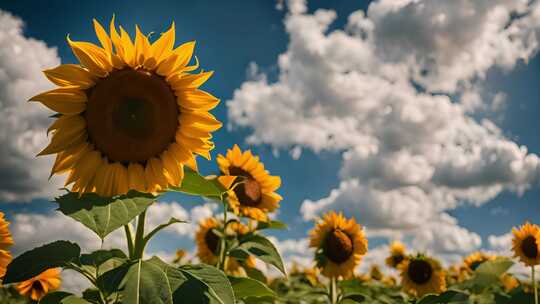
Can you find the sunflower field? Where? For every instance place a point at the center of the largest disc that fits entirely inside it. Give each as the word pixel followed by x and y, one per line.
pixel 131 122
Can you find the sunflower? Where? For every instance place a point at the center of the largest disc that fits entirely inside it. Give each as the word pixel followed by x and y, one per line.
pixel 476 259
pixel 375 273
pixel 6 241
pixel 339 243
pixel 40 285
pixel 421 275
pixel 208 245
pixel 509 282
pixel 128 118
pixel 179 256
pixel 306 274
pixel 397 254
pixel 526 244
pixel 252 193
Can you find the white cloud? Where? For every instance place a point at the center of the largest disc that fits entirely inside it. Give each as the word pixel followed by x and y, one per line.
pixel 410 153
pixel 22 124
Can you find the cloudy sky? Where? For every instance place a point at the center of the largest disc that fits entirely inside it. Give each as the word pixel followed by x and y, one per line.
pixel 416 117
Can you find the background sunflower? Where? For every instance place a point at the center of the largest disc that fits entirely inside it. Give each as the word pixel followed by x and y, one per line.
pixel 421 275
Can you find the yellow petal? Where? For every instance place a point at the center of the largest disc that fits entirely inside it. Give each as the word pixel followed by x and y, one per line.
pixel 92 57
pixel 117 42
pixel 142 46
pixel 66 138
pixel 120 178
pixel 173 175
pixel 196 100
pixel 102 36
pixel 70 75
pixel 180 57
pixel 227 180
pixel 182 81
pixel 67 159
pixel 162 48
pixel 136 177
pixel 63 100
pixel 203 120
pixel 129 48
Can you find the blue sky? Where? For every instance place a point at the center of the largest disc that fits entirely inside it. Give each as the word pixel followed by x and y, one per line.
pixel 236 35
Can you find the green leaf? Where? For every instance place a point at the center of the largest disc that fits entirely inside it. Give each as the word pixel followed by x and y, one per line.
pixel 208 281
pixel 60 297
pixel 92 295
pixel 450 296
pixel 246 287
pixel 256 274
pixel 37 260
pixel 489 273
pixel 261 248
pixel 272 225
pixel 97 258
pixel 153 281
pixel 195 184
pixel 171 221
pixel 103 215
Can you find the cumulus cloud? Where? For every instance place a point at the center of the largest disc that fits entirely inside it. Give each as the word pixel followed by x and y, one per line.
pixel 23 125
pixel 396 92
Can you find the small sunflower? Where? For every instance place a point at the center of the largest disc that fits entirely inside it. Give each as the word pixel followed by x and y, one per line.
pixel 375 273
pixel 476 259
pixel 307 274
pixel 208 245
pixel 421 275
pixel 130 116
pixel 526 244
pixel 5 259
pixel 397 254
pixel 509 282
pixel 6 240
pixel 179 256
pixel 253 195
pixel 339 244
pixel 37 287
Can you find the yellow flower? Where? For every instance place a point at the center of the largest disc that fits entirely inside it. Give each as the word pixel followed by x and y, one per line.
pixel 375 273
pixel 389 281
pixel 421 275
pixel 5 259
pixel 208 245
pixel 128 118
pixel 252 194
pixel 526 244
pixel 6 240
pixel 180 255
pixel 509 282
pixel 40 285
pixel 340 245
pixel 397 254
pixel 476 259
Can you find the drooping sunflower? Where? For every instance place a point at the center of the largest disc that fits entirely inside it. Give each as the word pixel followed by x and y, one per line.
pixel 252 194
pixel 36 288
pixel 526 244
pixel 339 243
pixel 421 275
pixel 397 254
pixel 208 245
pixel 130 115
pixel 476 259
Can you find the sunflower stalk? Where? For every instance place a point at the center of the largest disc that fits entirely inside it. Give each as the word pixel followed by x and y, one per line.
pixel 222 241
pixel 129 239
pixel 333 291
pixel 140 242
pixel 534 285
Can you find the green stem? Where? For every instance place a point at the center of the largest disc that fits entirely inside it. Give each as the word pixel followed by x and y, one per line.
pixel 534 286
pixel 138 250
pixel 222 243
pixel 333 291
pixel 129 238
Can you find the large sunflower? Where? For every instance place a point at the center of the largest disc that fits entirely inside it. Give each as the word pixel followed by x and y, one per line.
pixel 6 241
pixel 526 244
pixel 339 243
pixel 476 259
pixel 208 245
pixel 130 116
pixel 252 194
pixel 37 287
pixel 421 275
pixel 397 254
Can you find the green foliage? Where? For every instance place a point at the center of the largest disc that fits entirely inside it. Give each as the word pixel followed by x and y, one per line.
pixel 103 215
pixel 272 225
pixel 195 184
pixel 259 247
pixel 247 288
pixel 34 262
pixel 60 297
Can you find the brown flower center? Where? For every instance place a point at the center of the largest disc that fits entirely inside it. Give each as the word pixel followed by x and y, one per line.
pixel 338 246
pixel 248 191
pixel 419 271
pixel 131 115
pixel 397 259
pixel 529 247
pixel 212 241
